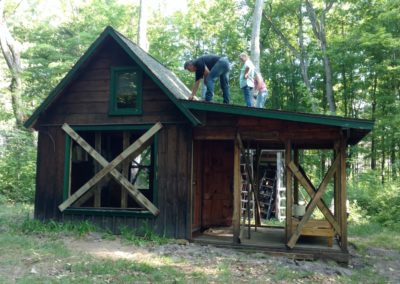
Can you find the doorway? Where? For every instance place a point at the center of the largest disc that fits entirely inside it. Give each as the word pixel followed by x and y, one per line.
pixel 212 185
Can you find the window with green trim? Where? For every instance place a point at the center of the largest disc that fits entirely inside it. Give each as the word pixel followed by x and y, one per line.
pixel 126 91
pixel 108 194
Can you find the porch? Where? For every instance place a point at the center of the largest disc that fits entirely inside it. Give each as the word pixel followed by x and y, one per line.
pixel 272 240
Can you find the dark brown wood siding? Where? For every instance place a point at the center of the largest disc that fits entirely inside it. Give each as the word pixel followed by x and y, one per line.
pixel 174 176
pixel 173 183
pixel 49 173
pixel 268 132
pixel 86 102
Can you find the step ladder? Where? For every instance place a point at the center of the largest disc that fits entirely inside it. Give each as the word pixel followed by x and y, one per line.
pixel 267 193
pixel 247 202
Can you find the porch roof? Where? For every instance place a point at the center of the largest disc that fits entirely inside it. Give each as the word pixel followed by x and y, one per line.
pixel 358 128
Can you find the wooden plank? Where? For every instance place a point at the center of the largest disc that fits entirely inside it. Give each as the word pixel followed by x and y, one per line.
pixel 183 169
pixel 137 147
pixel 236 194
pixel 343 193
pixel 259 135
pixel 171 211
pixel 289 193
pixel 125 168
pixel 104 118
pixel 214 133
pixel 307 185
pixel 296 182
pixel 58 164
pixel 313 203
pixel 97 194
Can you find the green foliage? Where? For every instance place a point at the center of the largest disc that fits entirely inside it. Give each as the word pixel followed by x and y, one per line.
pixel 286 274
pixel 125 271
pixel 17 165
pixel 142 235
pixel 380 202
pixel 31 226
pixel 373 234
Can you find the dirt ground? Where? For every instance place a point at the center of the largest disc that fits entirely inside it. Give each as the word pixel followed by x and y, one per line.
pixel 243 267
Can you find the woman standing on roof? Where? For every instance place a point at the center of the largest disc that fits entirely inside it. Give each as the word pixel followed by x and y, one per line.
pixel 260 90
pixel 247 78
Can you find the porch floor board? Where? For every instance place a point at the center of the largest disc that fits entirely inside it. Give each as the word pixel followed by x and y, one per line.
pixel 272 240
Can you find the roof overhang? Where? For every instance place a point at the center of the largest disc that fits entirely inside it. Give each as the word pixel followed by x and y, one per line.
pixel 355 129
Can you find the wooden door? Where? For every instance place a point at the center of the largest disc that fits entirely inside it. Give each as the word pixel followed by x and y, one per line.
pixel 217 184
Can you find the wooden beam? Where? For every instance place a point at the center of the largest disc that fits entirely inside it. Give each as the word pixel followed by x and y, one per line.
pixel 136 148
pixel 236 194
pixel 260 135
pixel 125 168
pixel 214 133
pixel 97 194
pixel 296 182
pixel 289 193
pixel 336 188
pixel 313 203
pixel 343 193
pixel 306 183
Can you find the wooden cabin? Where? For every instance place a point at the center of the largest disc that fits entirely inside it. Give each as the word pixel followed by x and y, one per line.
pixel 121 145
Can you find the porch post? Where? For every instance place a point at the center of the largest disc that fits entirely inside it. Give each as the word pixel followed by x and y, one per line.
pixel 343 193
pixel 336 188
pixel 289 192
pixel 236 193
pixel 296 182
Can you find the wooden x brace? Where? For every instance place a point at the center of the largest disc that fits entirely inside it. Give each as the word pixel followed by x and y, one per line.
pixel 109 167
pixel 315 199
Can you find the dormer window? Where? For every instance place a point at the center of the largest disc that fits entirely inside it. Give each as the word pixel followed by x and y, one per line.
pixel 126 91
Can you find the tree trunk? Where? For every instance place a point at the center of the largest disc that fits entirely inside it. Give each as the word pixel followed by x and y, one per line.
pixel 300 55
pixel 11 52
pixel 255 33
pixel 318 28
pixel 142 27
pixel 304 62
pixel 373 139
pixel 383 159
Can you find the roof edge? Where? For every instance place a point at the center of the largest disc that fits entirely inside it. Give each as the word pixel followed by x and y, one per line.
pixel 282 115
pixel 67 78
pixel 189 115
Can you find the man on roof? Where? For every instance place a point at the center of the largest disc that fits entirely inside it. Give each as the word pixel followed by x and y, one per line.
pixel 209 68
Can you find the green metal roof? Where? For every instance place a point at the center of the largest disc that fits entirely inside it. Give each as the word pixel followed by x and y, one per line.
pixel 281 115
pixel 357 128
pixel 161 75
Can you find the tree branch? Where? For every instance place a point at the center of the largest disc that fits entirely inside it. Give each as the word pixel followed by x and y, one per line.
pixel 279 33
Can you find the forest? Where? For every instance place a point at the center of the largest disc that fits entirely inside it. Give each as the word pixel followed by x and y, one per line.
pixel 322 56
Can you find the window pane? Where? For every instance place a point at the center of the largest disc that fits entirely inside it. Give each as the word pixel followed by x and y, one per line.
pixel 141 178
pixel 126 89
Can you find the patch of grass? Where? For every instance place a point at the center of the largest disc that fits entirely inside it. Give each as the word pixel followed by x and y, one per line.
pixel 224 273
pixel 21 246
pixel 142 235
pixel 30 226
pixel 273 222
pixel 365 276
pixel 197 277
pixel 374 235
pixel 125 271
pixel 286 274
